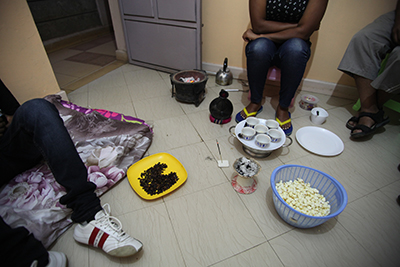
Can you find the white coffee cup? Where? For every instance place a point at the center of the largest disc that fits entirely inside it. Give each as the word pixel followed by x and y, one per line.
pixel 275 135
pixel 261 129
pixel 262 140
pixel 272 124
pixel 251 122
pixel 248 133
pixel 318 116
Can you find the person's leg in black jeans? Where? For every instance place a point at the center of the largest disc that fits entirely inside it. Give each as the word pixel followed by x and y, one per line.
pixel 37 132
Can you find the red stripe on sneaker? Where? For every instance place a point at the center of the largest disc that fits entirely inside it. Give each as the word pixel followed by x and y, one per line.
pixel 103 240
pixel 93 235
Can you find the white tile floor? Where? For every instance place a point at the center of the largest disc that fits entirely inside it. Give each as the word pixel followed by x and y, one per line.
pixel 72 74
pixel 207 223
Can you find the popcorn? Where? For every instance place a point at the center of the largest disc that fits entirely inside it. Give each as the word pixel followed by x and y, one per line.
pixel 303 198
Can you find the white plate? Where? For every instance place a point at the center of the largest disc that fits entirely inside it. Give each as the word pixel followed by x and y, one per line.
pixel 319 141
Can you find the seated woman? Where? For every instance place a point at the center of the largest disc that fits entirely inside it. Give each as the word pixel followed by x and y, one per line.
pixel 279 37
pixel 362 61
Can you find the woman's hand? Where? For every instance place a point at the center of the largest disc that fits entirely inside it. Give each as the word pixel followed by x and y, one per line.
pixel 259 24
pixel 279 32
pixel 249 35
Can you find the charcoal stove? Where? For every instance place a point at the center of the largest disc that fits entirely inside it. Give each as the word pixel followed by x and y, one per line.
pixel 189 92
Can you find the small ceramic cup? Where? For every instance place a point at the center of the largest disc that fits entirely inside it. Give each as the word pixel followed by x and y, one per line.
pixel 275 135
pixel 318 116
pixel 248 133
pixel 272 124
pixel 262 140
pixel 251 122
pixel 261 129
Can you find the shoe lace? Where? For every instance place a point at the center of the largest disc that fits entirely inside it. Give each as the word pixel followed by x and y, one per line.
pixel 111 221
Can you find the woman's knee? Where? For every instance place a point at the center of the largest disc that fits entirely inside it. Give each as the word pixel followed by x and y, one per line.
pixel 261 47
pixel 296 47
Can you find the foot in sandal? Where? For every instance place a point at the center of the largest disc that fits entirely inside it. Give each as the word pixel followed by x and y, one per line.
pixel 244 114
pixel 368 123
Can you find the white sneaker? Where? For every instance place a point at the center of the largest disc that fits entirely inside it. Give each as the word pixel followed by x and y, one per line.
pixel 106 232
pixel 56 259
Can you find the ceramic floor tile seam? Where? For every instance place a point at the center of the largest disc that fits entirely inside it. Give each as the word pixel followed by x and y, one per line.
pixel 114 88
pixel 64 80
pixel 212 138
pixel 69 75
pixel 351 234
pixel 87 73
pixel 180 146
pixel 276 253
pixel 143 75
pixel 184 195
pixel 372 194
pixel 235 255
pixel 92 58
pixel 205 193
pixel 132 89
pixel 61 55
pixel 369 245
pixel 382 190
pixel 174 230
pixel 170 107
pixel 66 60
pixel 372 157
pixel 214 157
pixel 322 261
pixel 101 40
pixel 121 214
pixel 251 215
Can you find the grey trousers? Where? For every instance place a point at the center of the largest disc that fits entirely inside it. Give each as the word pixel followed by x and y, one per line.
pixel 366 51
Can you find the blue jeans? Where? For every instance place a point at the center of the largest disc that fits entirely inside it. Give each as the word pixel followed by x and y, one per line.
pixel 291 57
pixel 37 133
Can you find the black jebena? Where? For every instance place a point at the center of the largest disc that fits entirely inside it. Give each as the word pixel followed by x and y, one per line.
pixel 221 108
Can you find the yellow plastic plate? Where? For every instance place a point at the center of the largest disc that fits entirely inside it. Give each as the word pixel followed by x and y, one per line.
pixel 173 165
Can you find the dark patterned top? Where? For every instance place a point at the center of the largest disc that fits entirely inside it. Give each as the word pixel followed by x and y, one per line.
pixel 286 10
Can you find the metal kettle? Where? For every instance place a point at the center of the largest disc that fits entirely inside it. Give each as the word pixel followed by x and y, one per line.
pixel 224 76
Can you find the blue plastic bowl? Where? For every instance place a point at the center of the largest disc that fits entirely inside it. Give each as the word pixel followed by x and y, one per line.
pixel 328 186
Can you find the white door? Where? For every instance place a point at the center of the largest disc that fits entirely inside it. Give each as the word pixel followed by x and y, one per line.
pixel 163 34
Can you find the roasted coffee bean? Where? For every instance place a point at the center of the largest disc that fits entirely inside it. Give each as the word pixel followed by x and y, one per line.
pixel 154 182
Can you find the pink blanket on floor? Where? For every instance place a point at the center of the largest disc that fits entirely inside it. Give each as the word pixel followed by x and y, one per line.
pixel 107 142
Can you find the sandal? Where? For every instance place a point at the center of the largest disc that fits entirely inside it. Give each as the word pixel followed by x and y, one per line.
pixel 379 120
pixel 239 117
pixel 290 129
pixel 354 119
